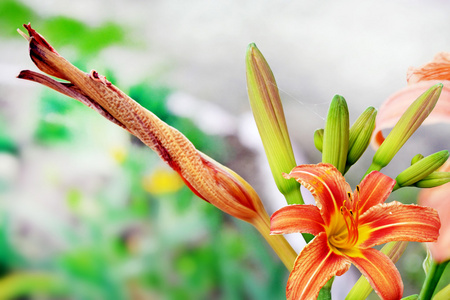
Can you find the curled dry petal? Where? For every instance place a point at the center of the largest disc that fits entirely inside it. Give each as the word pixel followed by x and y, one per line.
pixel 207 178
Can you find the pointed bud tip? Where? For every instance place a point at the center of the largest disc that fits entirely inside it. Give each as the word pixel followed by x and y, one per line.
pixel 251 46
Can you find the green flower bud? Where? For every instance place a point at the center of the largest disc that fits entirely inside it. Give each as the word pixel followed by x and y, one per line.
pixel 336 134
pixel 359 136
pixel 413 117
pixel 421 169
pixel 318 139
pixel 416 158
pixel 269 117
pixel 433 180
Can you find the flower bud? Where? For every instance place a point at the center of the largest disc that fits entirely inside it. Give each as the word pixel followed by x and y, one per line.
pixel 336 134
pixel 269 117
pixel 416 158
pixel 359 136
pixel 318 139
pixel 411 119
pixel 421 169
pixel 433 180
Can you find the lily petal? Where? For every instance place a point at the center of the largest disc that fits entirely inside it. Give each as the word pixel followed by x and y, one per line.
pixel 297 218
pixel 438 69
pixel 315 265
pixel 374 189
pixel 393 108
pixel 380 271
pixel 398 222
pixel 326 184
pixel 437 198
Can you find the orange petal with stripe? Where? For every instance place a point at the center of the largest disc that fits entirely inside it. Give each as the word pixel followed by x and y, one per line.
pixel 315 265
pixel 326 184
pixel 374 189
pixel 398 222
pixel 297 218
pixel 380 271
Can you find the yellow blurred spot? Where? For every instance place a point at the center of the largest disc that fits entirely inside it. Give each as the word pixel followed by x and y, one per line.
pixel 119 154
pixel 162 181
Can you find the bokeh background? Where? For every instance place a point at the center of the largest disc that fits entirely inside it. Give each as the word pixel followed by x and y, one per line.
pixel 88 212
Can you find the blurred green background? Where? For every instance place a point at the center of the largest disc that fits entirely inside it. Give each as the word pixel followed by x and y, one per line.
pixel 88 212
pixel 92 213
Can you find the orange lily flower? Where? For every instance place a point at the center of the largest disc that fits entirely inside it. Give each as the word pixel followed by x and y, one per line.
pixel 346 226
pixel 419 79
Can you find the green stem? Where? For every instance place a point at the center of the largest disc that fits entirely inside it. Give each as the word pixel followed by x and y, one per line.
pixel 373 167
pixel 294 197
pixel 432 279
pixel 278 242
pixel 325 292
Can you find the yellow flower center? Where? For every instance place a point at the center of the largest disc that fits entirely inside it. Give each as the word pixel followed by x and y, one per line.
pixel 344 234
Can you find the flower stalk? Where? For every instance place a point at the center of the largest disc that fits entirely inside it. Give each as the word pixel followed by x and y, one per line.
pixel 432 279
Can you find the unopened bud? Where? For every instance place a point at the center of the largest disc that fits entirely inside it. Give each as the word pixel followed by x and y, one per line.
pixel 416 158
pixel 318 139
pixel 336 133
pixel 433 180
pixel 360 134
pixel 269 117
pixel 413 117
pixel 421 169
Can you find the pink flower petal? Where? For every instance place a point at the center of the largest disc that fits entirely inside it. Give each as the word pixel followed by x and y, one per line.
pixel 438 198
